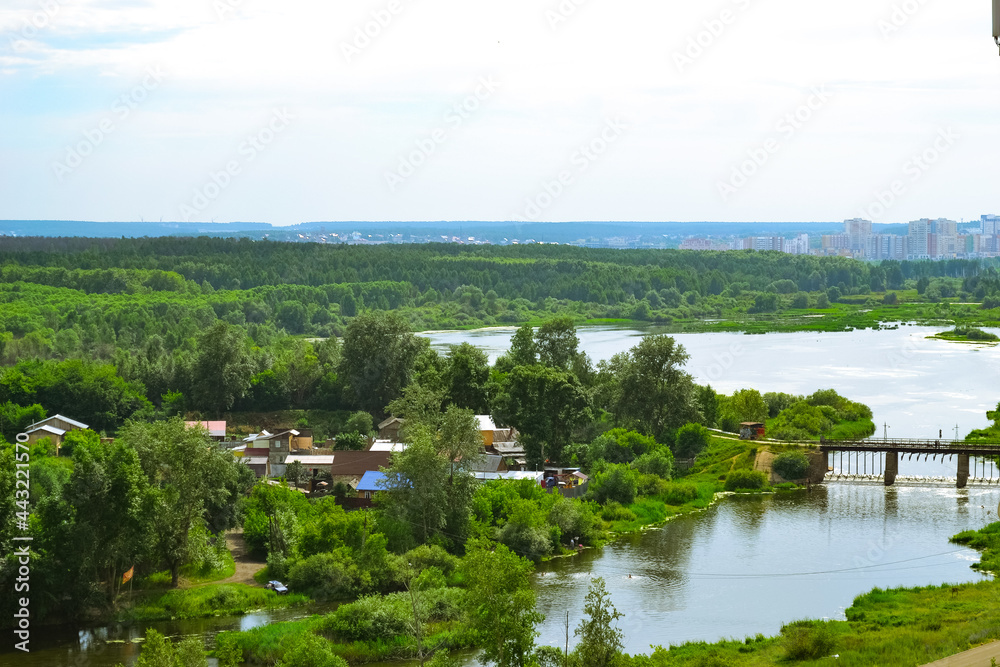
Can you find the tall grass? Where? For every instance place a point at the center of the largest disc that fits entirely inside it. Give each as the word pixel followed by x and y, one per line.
pixel 211 600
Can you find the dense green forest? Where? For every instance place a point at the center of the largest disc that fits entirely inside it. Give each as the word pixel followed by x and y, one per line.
pixel 144 325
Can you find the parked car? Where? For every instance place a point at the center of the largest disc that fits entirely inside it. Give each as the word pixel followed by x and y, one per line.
pixel 277 587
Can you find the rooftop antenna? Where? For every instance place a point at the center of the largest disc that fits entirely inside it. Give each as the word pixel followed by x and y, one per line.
pixel 996 22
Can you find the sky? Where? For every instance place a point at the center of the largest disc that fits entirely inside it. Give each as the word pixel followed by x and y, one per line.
pixel 540 110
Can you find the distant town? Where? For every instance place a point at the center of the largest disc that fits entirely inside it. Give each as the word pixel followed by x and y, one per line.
pixel 934 239
pixel 927 239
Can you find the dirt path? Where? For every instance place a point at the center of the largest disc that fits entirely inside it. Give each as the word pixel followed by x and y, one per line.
pixel 246 566
pixel 975 657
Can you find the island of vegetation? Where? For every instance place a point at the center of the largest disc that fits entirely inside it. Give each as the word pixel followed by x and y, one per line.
pixel 968 335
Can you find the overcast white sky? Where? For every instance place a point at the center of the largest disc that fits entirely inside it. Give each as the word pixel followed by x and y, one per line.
pixel 129 109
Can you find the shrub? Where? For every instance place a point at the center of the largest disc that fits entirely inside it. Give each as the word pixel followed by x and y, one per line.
pixel 807 640
pixel 617 483
pixel 326 575
pixel 615 512
pixel 745 480
pixel 791 465
pixel 308 650
pixel 691 440
pixel 427 555
pixel 370 618
pixel 679 493
pixel 659 463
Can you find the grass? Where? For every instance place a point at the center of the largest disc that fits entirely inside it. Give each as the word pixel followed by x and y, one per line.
pixel 205 601
pixel 968 335
pixel 267 644
pixel 899 627
pixel 986 540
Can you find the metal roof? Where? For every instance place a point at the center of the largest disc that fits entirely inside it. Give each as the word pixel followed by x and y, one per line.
pixel 486 423
pixel 48 429
pixel 71 422
pixel 311 460
pixel 371 481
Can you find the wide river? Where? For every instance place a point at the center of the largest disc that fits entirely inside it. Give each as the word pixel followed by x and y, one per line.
pixel 746 565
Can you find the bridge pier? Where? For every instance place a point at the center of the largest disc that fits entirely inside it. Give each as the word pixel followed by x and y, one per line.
pixel 891 467
pixel 963 470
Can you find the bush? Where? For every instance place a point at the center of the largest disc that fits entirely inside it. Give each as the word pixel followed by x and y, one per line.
pixel 308 650
pixel 745 480
pixel 807 640
pixel 691 440
pixel 615 512
pixel 370 618
pixel 659 463
pixel 791 465
pixel 678 494
pixel 326 575
pixel 617 483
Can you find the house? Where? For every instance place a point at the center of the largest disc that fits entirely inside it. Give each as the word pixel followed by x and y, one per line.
pixel 55 427
pixel 314 464
pixel 389 429
pixel 279 446
pixel 486 428
pixel 216 429
pixel 512 453
pixel 369 484
pixel 258 460
pixel 491 463
pixel 350 467
pixel 386 446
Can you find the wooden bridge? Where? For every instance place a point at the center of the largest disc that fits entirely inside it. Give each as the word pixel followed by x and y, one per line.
pixel 892 448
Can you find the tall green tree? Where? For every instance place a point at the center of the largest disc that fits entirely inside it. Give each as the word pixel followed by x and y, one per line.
pixel 188 475
pixel 467 378
pixel 501 604
pixel 416 488
pixel 648 388
pixel 600 639
pixel 223 368
pixel 557 342
pixel 377 359
pixel 545 404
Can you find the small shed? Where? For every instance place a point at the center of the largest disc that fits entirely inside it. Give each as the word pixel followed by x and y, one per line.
pixel 751 431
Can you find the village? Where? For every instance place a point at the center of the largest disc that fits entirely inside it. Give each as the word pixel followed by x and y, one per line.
pixel 353 477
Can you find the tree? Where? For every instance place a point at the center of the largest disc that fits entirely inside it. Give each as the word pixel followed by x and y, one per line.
pixel 295 472
pixel 223 368
pixel 691 440
pixel 791 465
pixel 647 387
pixel 15 419
pixel 359 422
pixel 557 342
pixel 617 483
pixel 467 377
pixel 501 604
pixel 600 640
pixel 187 475
pixel 545 404
pixel 747 405
pixel 416 486
pixel 377 359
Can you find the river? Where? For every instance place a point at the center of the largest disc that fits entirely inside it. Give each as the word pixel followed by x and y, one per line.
pixel 746 565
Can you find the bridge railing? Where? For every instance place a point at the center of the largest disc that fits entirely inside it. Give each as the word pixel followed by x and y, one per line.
pixel 904 444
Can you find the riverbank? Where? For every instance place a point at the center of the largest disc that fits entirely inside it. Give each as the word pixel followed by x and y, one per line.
pixel 902 627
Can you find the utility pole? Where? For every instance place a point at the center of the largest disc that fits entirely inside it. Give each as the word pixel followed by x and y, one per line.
pixel 566 652
pixel 956 432
pixel 885 430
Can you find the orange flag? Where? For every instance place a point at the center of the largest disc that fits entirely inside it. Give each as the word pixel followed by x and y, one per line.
pixel 128 575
